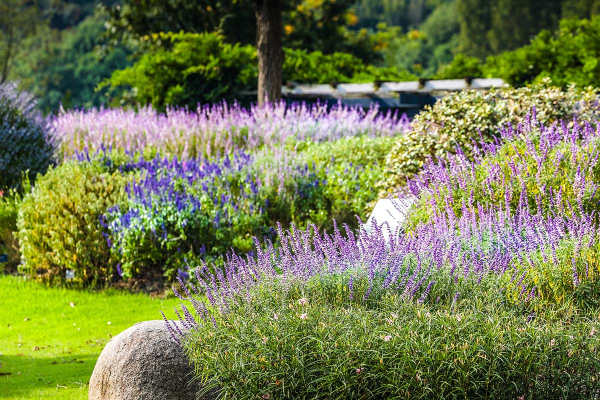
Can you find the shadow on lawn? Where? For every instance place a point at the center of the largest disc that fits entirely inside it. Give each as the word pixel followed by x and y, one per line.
pixel 28 376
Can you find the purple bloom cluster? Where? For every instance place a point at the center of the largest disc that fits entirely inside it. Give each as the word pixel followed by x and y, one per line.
pixel 546 170
pixel 494 245
pixel 217 129
pixel 490 245
pixel 178 208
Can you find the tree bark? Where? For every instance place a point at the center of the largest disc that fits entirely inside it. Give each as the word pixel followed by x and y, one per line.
pixel 269 31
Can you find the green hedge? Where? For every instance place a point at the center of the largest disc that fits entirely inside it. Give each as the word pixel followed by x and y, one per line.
pixel 59 223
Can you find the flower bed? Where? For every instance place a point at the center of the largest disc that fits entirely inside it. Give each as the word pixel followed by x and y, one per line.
pixel 493 301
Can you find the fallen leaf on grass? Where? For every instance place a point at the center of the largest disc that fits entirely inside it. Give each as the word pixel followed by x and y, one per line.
pixel 5 373
pixel 36 348
pixel 60 386
pixel 20 355
pixel 72 304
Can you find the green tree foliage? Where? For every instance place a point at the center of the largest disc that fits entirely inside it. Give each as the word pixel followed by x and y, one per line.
pixel 316 67
pixel 234 19
pixel 475 22
pixel 491 27
pixel 423 50
pixel 580 8
pixel 186 69
pixel 406 14
pixel 570 55
pixel 18 21
pixel 65 14
pixel 310 25
pixel 64 67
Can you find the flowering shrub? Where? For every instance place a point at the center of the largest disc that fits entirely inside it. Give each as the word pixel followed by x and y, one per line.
pixel 493 301
pixel 59 223
pixel 548 171
pixel 336 305
pixel 463 119
pixel 180 212
pixel 218 129
pixel 27 148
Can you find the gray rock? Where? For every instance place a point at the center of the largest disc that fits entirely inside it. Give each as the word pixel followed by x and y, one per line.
pixel 143 362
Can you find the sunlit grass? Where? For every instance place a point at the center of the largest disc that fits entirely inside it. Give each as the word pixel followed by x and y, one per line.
pixel 50 338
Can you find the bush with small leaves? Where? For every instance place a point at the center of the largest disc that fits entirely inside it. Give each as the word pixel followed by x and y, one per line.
pixel 59 223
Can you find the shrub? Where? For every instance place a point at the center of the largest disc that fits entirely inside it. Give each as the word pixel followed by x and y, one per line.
pixel 59 223
pixel 9 206
pixel 316 67
pixel 461 67
pixel 185 69
pixel 25 145
pixel 181 212
pixel 305 343
pixel 425 313
pixel 462 120
pixel 550 171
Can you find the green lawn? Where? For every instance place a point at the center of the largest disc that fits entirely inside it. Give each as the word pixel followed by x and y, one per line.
pixel 50 338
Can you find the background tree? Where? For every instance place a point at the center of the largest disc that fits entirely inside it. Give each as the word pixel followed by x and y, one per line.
pixel 18 21
pixel 475 21
pixel 514 23
pixel 269 30
pixel 63 67
pixel 491 27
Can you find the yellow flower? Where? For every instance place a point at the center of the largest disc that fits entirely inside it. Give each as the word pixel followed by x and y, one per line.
pixel 288 29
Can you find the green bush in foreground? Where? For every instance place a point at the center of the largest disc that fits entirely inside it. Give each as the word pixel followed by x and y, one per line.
pixel 314 341
pixel 463 119
pixel 9 208
pixel 59 223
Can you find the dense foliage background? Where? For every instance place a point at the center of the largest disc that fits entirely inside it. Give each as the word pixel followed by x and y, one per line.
pixel 61 51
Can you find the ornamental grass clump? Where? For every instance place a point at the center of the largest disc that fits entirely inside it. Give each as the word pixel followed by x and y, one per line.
pixel 548 171
pixel 217 129
pixel 444 311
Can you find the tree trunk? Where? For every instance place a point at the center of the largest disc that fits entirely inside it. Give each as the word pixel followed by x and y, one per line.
pixel 270 51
